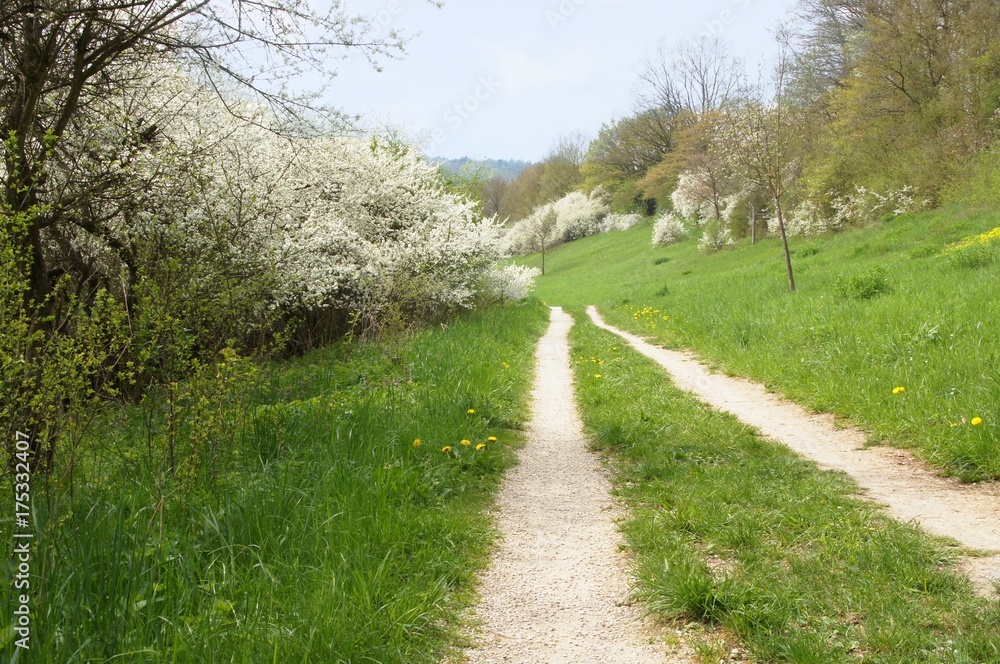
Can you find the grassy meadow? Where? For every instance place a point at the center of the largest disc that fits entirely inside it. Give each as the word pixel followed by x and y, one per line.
pixel 773 555
pixel 320 531
pixel 890 328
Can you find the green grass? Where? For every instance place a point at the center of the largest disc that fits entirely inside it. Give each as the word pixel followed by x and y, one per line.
pixel 735 531
pixel 326 537
pixel 876 309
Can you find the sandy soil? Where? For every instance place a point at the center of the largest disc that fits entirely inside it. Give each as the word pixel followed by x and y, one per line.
pixel 557 589
pixel 909 488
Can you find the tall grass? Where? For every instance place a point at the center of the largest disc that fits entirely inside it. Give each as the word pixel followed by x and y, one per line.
pixel 740 533
pixel 877 309
pixel 329 537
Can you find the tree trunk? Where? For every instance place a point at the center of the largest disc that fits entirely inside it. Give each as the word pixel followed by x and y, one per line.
pixel 784 242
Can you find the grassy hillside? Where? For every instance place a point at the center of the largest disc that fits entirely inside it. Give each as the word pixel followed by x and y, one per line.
pixel 878 309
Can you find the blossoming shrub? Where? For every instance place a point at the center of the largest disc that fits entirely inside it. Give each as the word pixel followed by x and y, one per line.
pixel 807 219
pixel 861 207
pixel 510 282
pixel 579 215
pixel 715 237
pixel 668 229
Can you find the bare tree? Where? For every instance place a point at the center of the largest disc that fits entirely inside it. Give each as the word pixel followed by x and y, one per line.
pixel 494 192
pixel 699 77
pixel 824 40
pixel 570 148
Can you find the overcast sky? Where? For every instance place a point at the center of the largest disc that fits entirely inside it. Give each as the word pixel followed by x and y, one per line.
pixel 504 78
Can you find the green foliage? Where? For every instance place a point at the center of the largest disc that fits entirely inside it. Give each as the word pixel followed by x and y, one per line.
pixel 937 333
pixel 905 110
pixel 973 257
pixel 58 356
pixel 977 183
pixel 299 522
pixel 728 528
pixel 865 286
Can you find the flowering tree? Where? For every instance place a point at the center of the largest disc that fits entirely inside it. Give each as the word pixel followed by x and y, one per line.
pixel 756 138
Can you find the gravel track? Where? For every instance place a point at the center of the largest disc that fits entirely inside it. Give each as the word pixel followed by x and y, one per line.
pixel 909 488
pixel 558 588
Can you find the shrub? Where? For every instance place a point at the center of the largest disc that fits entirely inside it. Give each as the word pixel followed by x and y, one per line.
pixel 668 229
pixel 865 286
pixel 510 282
pixel 807 218
pixel 715 237
pixel 860 208
pixel 973 257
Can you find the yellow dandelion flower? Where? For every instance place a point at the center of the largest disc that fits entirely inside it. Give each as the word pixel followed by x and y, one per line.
pixel 480 447
pixel 597 375
pixel 899 390
pixel 954 424
pixel 417 443
pixel 492 439
pixel 472 411
pixel 976 421
pixel 446 449
pixel 466 443
pixel 505 365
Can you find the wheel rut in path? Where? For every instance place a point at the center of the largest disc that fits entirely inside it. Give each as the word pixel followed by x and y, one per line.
pixel 967 513
pixel 557 587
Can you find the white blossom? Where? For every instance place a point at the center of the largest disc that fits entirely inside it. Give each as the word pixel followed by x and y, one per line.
pixel 668 229
pixel 510 282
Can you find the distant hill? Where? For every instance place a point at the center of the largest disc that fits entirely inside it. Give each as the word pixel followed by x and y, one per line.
pixel 506 169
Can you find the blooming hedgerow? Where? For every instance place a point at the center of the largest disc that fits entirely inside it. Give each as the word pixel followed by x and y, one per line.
pixel 331 221
pixel 576 215
pixel 858 208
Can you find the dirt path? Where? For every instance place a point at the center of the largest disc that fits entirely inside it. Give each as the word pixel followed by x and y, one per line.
pixel 967 513
pixel 557 589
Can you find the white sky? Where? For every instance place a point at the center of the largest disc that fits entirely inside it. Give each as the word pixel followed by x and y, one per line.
pixel 541 68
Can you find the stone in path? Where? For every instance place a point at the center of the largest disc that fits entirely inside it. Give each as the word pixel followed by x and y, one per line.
pixel 557 588
pixel 967 513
